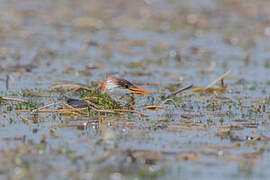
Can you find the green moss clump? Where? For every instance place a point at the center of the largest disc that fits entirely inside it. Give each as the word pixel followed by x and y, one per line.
pixel 104 101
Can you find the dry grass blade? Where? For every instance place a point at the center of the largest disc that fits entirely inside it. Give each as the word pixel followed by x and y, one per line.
pixel 180 128
pixel 218 79
pixel 70 87
pixel 46 106
pixel 24 119
pixel 209 89
pixel 12 99
pixel 131 111
pixel 22 111
pixel 153 108
pixel 106 111
pixel 72 110
pixel 62 111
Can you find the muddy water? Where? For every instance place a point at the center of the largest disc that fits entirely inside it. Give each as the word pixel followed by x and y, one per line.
pixel 158 45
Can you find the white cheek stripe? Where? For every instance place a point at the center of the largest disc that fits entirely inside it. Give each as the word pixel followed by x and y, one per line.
pixel 110 85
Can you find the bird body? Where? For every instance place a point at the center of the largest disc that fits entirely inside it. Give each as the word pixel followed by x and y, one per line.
pixel 117 89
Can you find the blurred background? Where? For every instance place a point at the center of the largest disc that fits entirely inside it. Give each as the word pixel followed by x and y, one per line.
pixel 159 45
pixel 85 40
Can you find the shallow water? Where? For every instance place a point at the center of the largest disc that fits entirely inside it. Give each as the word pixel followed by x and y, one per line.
pixel 160 46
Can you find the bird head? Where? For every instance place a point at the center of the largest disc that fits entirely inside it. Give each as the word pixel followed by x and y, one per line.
pixel 118 86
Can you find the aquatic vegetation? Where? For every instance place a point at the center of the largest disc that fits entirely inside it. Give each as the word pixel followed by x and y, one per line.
pixel 205 62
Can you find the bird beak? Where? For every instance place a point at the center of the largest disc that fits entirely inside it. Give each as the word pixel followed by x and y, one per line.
pixel 139 91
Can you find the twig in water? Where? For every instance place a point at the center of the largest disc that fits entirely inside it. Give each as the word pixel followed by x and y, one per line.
pixel 7 82
pixel 218 79
pixel 179 91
